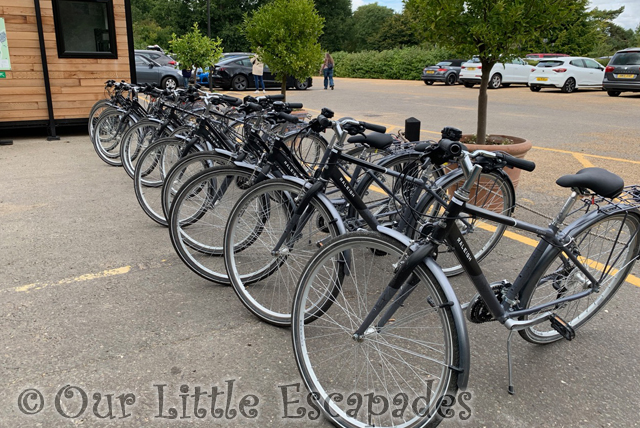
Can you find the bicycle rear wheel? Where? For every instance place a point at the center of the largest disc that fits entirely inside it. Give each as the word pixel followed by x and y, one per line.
pixel 198 216
pixel 398 373
pixel 608 247
pixel 137 138
pixel 107 135
pixel 492 191
pixel 265 282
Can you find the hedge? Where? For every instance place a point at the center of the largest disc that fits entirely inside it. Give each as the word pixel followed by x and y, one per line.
pixel 403 64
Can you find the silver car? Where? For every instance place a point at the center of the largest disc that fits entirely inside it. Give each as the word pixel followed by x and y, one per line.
pixel 149 71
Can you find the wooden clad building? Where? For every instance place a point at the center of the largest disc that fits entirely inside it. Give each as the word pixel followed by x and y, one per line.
pixel 60 53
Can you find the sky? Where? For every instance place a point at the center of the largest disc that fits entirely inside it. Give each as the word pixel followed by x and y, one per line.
pixel 630 18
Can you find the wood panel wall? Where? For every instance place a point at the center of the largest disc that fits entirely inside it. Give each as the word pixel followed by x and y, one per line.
pixel 76 83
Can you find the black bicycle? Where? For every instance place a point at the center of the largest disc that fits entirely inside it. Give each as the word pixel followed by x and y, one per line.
pixel 374 316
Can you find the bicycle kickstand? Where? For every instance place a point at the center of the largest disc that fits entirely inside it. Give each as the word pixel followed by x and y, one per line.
pixel 511 389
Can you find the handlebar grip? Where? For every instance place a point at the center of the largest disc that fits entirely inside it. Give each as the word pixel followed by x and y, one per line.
pixel 288 117
pixel 294 105
pixel 451 148
pixel 517 162
pixel 233 101
pixel 373 127
pixel 254 107
pixel 277 97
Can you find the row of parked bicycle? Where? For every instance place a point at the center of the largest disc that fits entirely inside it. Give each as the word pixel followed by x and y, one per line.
pixel 350 241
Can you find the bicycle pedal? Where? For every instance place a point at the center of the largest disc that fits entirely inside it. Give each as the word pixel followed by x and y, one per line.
pixel 562 327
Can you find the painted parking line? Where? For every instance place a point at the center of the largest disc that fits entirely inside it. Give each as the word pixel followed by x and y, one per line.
pixel 87 277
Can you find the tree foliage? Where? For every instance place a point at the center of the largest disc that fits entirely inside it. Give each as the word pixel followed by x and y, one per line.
pixel 337 23
pixel 196 49
pixel 494 30
pixel 285 33
pixel 367 21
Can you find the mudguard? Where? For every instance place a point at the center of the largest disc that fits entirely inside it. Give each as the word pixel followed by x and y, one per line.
pixel 456 310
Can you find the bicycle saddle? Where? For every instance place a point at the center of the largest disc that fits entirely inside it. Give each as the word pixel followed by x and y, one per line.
pixel 373 139
pixel 598 180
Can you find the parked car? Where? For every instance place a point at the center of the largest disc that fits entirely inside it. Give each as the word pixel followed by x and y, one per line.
pixel 622 74
pixel 444 71
pixel 149 71
pixel 567 73
pixel 515 71
pixel 544 55
pixel 156 56
pixel 235 73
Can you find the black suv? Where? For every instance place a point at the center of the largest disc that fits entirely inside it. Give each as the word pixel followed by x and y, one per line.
pixel 623 72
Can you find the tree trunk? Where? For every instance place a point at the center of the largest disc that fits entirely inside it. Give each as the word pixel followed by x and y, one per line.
pixel 283 88
pixel 481 131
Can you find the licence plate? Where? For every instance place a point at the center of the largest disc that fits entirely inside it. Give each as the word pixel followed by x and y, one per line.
pixel 542 79
pixel 430 71
pixel 471 68
pixel 625 76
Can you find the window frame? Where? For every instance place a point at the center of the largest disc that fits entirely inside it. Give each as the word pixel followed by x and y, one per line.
pixel 58 24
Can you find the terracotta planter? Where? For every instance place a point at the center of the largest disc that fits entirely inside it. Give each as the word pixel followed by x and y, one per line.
pixel 518 149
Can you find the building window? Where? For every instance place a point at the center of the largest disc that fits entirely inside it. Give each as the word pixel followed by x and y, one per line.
pixel 85 28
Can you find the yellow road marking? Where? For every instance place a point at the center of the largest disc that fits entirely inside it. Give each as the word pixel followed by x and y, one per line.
pixel 587 154
pixel 106 273
pixel 632 279
pixel 583 160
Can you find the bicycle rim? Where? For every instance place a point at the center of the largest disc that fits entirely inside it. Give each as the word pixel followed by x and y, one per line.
pixel 399 372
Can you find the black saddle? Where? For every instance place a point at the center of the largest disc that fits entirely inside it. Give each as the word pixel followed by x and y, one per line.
pixel 373 139
pixel 598 180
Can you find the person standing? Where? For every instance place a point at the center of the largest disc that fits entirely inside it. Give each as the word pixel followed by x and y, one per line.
pixel 186 75
pixel 327 70
pixel 258 71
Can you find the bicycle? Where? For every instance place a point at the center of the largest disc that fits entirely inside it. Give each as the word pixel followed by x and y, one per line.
pixel 391 326
pixel 276 226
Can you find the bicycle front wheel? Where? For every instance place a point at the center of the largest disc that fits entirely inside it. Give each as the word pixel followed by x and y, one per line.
pixel 492 191
pixel 198 217
pixel 264 279
pixel 608 247
pixel 398 372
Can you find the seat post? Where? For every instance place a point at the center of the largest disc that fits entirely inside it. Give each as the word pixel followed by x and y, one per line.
pixel 564 212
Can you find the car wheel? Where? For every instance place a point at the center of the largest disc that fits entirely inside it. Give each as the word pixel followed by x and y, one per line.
pixel 535 88
pixel 468 85
pixel 239 83
pixel 428 82
pixel 569 86
pixel 614 93
pixel 495 81
pixel 450 80
pixel 301 86
pixel 169 82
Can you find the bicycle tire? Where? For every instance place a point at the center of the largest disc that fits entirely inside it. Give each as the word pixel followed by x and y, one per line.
pixel 137 138
pixel 186 168
pixel 556 276
pixel 493 191
pixel 94 114
pixel 198 217
pixel 107 136
pixel 264 282
pixel 405 360
pixel 150 173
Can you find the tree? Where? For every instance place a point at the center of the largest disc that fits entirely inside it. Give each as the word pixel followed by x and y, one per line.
pixel 396 33
pixel 337 23
pixel 367 21
pixel 286 33
pixel 196 49
pixel 494 30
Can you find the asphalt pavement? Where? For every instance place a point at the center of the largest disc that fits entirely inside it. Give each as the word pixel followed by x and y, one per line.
pixel 102 324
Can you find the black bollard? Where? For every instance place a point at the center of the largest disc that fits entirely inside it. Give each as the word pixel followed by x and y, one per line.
pixel 412 129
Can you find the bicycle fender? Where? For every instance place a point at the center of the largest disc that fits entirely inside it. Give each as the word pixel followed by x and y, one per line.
pixel 223 152
pixel 323 198
pixel 456 310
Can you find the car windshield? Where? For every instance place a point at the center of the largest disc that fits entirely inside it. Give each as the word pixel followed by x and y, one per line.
pixel 626 58
pixel 544 64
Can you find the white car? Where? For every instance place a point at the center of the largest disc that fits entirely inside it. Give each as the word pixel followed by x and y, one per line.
pixel 568 74
pixel 516 71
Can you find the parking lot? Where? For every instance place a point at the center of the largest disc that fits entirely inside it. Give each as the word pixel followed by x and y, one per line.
pixel 96 302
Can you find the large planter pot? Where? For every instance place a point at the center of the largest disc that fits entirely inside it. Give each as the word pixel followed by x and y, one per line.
pixel 518 148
